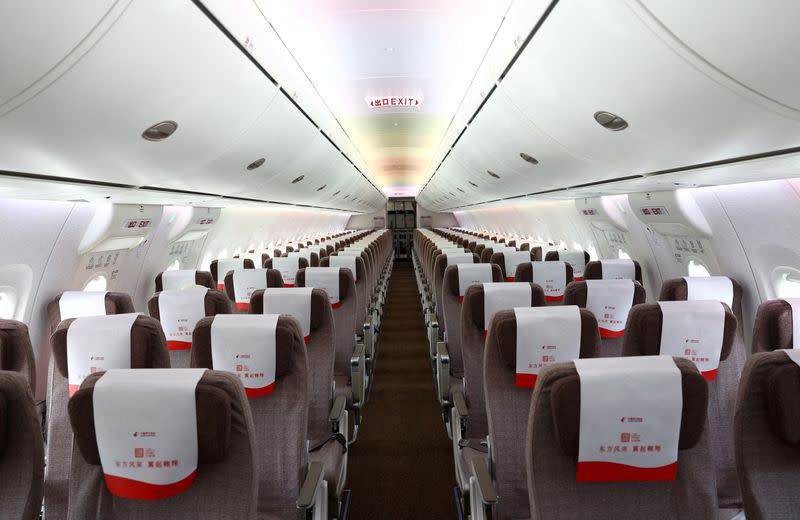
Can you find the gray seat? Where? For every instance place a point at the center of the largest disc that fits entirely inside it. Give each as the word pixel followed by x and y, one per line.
pixel 551 453
pixel 469 420
pixel 611 345
pixel 349 366
pixel 16 351
pixel 214 302
pixel 148 350
pixel 225 485
pixel 280 418
pixel 21 449
pixel 327 419
pixel 508 405
pixel 766 435
pixel 643 338
pixel 722 396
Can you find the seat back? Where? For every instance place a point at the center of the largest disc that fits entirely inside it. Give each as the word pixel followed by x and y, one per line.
pixel 544 273
pixel 287 267
pixel 441 262
pixel 577 259
pixel 767 434
pixel 320 343
pixel 775 326
pixel 509 262
pixel 343 305
pixel 473 334
pixel 240 284
pixel 608 304
pixel 552 449
pixel 280 417
pixel 179 311
pixel 219 268
pixel 643 337
pixel 148 349
pixel 452 300
pixel 508 401
pixel 181 278
pixel 615 269
pixel 225 484
pixel 21 449
pixel 362 301
pixel 16 351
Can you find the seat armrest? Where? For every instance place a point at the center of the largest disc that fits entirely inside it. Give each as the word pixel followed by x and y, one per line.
pixel 443 372
pixel 488 495
pixel 460 407
pixel 358 362
pixel 337 412
pixel 313 481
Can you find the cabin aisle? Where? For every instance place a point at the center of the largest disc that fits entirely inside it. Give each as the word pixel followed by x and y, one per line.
pixel 402 465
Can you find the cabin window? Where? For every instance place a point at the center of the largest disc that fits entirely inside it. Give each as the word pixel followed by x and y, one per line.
pixel 696 268
pixel 98 283
pixel 622 255
pixel 174 266
pixel 8 302
pixel 787 284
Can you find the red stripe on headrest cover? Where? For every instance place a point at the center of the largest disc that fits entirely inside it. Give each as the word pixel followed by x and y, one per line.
pixel 614 472
pixel 260 392
pixel 135 490
pixel 578 279
pixel 179 345
pixel 221 286
pixel 606 333
pixel 710 375
pixel 288 285
pixel 554 298
pixel 509 278
pixel 336 305
pixel 307 339
pixel 485 333
pixel 73 389
pixel 526 380
pixel 244 306
pixel 460 299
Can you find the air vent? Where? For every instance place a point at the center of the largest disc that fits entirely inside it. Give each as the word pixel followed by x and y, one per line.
pixel 160 131
pixel 322 187
pixel 255 164
pixel 473 183
pixel 335 194
pixel 459 189
pixel 610 121
pixel 528 158
pixel 298 179
pixel 492 174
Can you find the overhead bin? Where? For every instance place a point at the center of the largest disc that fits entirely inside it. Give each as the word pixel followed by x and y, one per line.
pixel 607 56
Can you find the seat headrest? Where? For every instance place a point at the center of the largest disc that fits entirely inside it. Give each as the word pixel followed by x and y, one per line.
pixel 503 336
pixel 288 342
pixel 302 263
pixel 148 345
pixel 213 401
pixel 440 263
pixel 203 278
pixel 565 402
pixel 782 394
pixel 554 255
pixel 473 299
pixel 274 279
pixel 5 421
pixel 116 303
pixel 643 331
pixel 320 306
pixel 345 280
pixel 594 270
pixel 577 292
pixel 216 302
pixel 450 280
pixel 525 272
pixel 677 289
pixel 774 326
pixel 247 263
pixel 16 350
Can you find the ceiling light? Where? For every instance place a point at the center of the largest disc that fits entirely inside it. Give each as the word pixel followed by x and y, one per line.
pixel 610 121
pixel 298 179
pixel 255 164
pixel 492 174
pixel 528 158
pixel 160 131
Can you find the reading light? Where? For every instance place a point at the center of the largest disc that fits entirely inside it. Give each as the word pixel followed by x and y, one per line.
pixel 160 131
pixel 255 164
pixel 610 121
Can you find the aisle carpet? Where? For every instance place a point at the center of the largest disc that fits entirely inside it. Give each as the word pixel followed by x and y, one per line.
pixel 402 465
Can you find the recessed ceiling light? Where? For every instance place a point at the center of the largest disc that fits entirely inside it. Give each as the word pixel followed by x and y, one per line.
pixel 255 164
pixel 396 123
pixel 610 121
pixel 492 174
pixel 160 131
pixel 528 158
pixel 298 179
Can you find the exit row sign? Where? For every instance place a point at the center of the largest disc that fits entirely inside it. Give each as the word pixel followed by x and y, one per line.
pixel 394 101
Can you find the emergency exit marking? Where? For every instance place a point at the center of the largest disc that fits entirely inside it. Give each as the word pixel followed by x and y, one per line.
pixel 394 101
